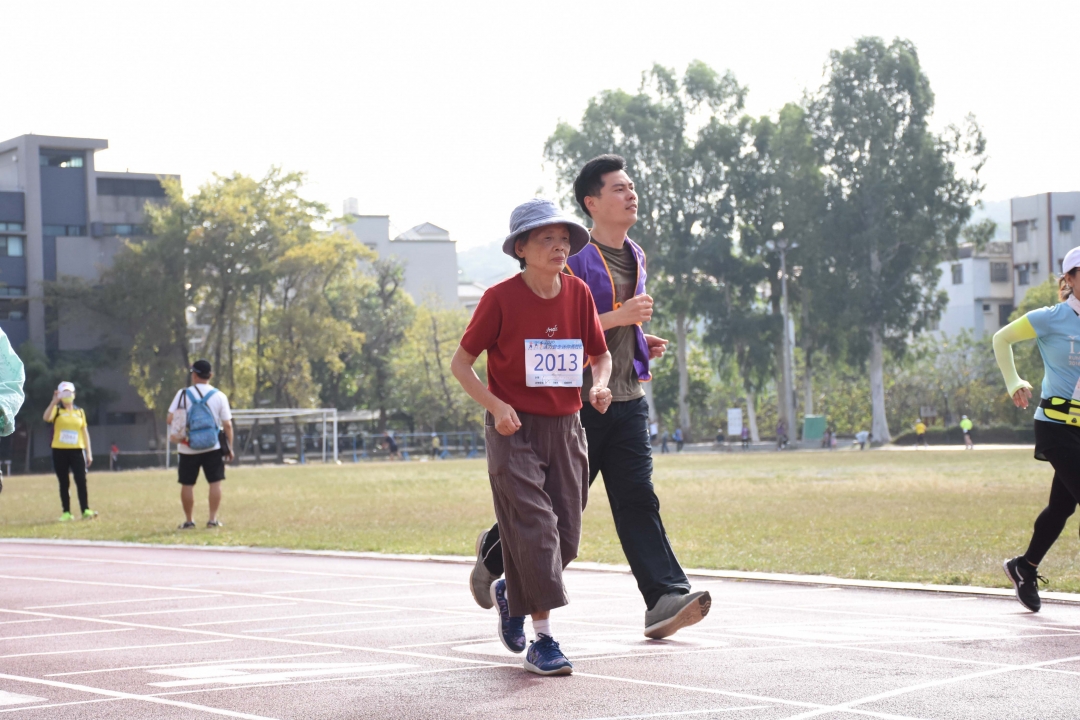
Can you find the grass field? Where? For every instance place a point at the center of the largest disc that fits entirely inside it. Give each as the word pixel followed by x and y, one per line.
pixel 941 517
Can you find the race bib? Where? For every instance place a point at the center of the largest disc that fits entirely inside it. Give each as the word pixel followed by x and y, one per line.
pixel 69 437
pixel 554 363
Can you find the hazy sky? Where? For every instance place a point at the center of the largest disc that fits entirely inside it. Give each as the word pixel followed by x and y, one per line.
pixel 438 111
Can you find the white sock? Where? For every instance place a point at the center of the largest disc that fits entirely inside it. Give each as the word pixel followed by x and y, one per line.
pixel 541 627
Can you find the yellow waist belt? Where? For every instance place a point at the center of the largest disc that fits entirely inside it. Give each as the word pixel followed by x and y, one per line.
pixel 1061 409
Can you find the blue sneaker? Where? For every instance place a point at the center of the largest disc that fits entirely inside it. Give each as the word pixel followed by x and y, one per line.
pixel 511 629
pixel 545 658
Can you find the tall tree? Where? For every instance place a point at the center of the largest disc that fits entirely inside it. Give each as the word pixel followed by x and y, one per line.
pixel 898 196
pixel 685 206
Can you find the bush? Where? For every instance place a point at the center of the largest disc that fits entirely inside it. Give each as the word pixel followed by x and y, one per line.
pixel 997 434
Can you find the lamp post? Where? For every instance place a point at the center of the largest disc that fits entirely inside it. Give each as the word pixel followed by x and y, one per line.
pixel 787 364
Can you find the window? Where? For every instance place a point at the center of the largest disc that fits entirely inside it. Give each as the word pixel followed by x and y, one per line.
pixel 12 291
pixel 53 158
pixel 1034 268
pixel 1004 311
pixel 11 246
pixel 1065 223
pixel 1022 277
pixel 958 274
pixel 12 310
pixel 125 230
pixel 64 230
pixel 986 307
pixel 127 187
pixel 1021 231
pixel 11 226
pixel 999 272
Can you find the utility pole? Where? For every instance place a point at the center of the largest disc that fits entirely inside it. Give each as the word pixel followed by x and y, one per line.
pixel 788 366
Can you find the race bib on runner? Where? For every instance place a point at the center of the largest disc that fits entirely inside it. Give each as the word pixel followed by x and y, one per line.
pixel 69 437
pixel 554 363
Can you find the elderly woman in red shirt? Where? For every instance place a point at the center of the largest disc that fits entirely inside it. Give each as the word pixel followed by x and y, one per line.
pixel 540 329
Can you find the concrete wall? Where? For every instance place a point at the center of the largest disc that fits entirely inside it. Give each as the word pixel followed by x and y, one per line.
pixel 966 309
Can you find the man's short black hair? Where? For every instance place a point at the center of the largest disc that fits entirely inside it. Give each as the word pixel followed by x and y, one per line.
pixel 590 181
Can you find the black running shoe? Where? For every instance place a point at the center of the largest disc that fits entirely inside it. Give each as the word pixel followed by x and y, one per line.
pixel 1026 581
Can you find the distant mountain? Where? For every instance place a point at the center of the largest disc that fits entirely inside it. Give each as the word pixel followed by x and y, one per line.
pixel 485 264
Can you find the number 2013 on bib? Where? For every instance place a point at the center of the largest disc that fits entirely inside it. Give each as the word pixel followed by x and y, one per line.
pixel 554 363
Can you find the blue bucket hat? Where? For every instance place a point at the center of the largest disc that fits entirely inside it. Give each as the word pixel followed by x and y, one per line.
pixel 538 212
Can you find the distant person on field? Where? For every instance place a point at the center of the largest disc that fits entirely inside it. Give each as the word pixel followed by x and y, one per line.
pixel 678 438
pixel 71 450
pixel 920 434
pixel 436 446
pixel 12 377
pixel 966 425
pixel 114 457
pixel 745 438
pixel 862 437
pixel 208 415
pixel 663 443
pixel 654 430
pixel 781 435
pixel 391 446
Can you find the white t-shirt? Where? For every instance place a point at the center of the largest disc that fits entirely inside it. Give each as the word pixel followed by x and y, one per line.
pixel 218 405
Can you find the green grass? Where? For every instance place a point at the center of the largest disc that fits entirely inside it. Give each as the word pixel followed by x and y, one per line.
pixel 940 517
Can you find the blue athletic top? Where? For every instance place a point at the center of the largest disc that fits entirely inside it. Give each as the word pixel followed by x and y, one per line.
pixel 1057 331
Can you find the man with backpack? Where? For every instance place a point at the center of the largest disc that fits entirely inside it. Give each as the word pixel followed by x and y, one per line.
pixel 203 414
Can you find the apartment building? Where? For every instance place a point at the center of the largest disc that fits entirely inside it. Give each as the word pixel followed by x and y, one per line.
pixel 1042 232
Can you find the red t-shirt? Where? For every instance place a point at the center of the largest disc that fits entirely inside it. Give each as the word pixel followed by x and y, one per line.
pixel 509 314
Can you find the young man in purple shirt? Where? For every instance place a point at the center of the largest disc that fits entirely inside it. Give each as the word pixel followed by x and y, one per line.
pixel 614 268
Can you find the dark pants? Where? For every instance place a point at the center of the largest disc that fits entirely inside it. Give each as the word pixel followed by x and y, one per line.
pixel 67 461
pixel 1058 444
pixel 619 450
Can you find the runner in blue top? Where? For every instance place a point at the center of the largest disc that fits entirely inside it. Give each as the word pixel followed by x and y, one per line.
pixel 1057 419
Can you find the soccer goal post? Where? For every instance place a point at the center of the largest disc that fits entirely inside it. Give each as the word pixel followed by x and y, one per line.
pixel 250 419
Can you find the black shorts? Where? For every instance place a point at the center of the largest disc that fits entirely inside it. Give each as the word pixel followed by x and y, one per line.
pixel 1056 442
pixel 212 463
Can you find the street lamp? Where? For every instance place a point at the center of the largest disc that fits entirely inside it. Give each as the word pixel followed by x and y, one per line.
pixel 788 363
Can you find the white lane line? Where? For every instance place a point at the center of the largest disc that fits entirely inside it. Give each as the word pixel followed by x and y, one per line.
pixel 111 602
pixel 261 638
pixel 124 648
pixel 219 608
pixel 401 598
pixel 229 568
pixel 204 593
pixel 447 642
pixel 851 705
pixel 351 623
pixel 64 634
pixel 130 696
pixel 288 617
pixel 19 622
pixel 63 704
pixel 392 627
pixel 683 713
pixel 10 698
pixel 347 589
pixel 209 663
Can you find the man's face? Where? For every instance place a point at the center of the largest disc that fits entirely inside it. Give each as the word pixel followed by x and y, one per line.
pixel 617 201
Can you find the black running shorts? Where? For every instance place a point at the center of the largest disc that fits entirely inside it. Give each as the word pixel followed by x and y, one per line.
pixel 212 463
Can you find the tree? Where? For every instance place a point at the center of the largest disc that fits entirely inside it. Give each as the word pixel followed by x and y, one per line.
pixel 426 389
pixel 685 207
pixel 897 196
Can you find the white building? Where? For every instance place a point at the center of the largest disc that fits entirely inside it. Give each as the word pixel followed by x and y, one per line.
pixel 426 251
pixel 1042 232
pixel 980 289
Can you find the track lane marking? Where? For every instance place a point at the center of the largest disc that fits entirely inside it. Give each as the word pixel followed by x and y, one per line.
pixel 682 713
pixel 110 649
pixel 218 608
pixel 129 696
pixel 209 663
pixel 286 617
pixel 109 602
pixel 63 634
pixel 348 589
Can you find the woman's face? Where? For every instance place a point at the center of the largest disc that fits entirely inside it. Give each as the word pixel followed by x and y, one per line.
pixel 546 248
pixel 67 397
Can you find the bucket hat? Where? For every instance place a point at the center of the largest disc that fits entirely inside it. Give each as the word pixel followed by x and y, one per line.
pixel 1072 260
pixel 538 212
pixel 66 387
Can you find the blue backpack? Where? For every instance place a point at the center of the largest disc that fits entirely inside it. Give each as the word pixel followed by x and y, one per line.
pixel 201 426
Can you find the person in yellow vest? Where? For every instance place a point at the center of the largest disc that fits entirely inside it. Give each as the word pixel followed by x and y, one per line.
pixel 920 434
pixel 71 450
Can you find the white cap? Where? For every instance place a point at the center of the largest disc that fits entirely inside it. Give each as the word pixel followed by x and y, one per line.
pixel 1072 260
pixel 66 386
